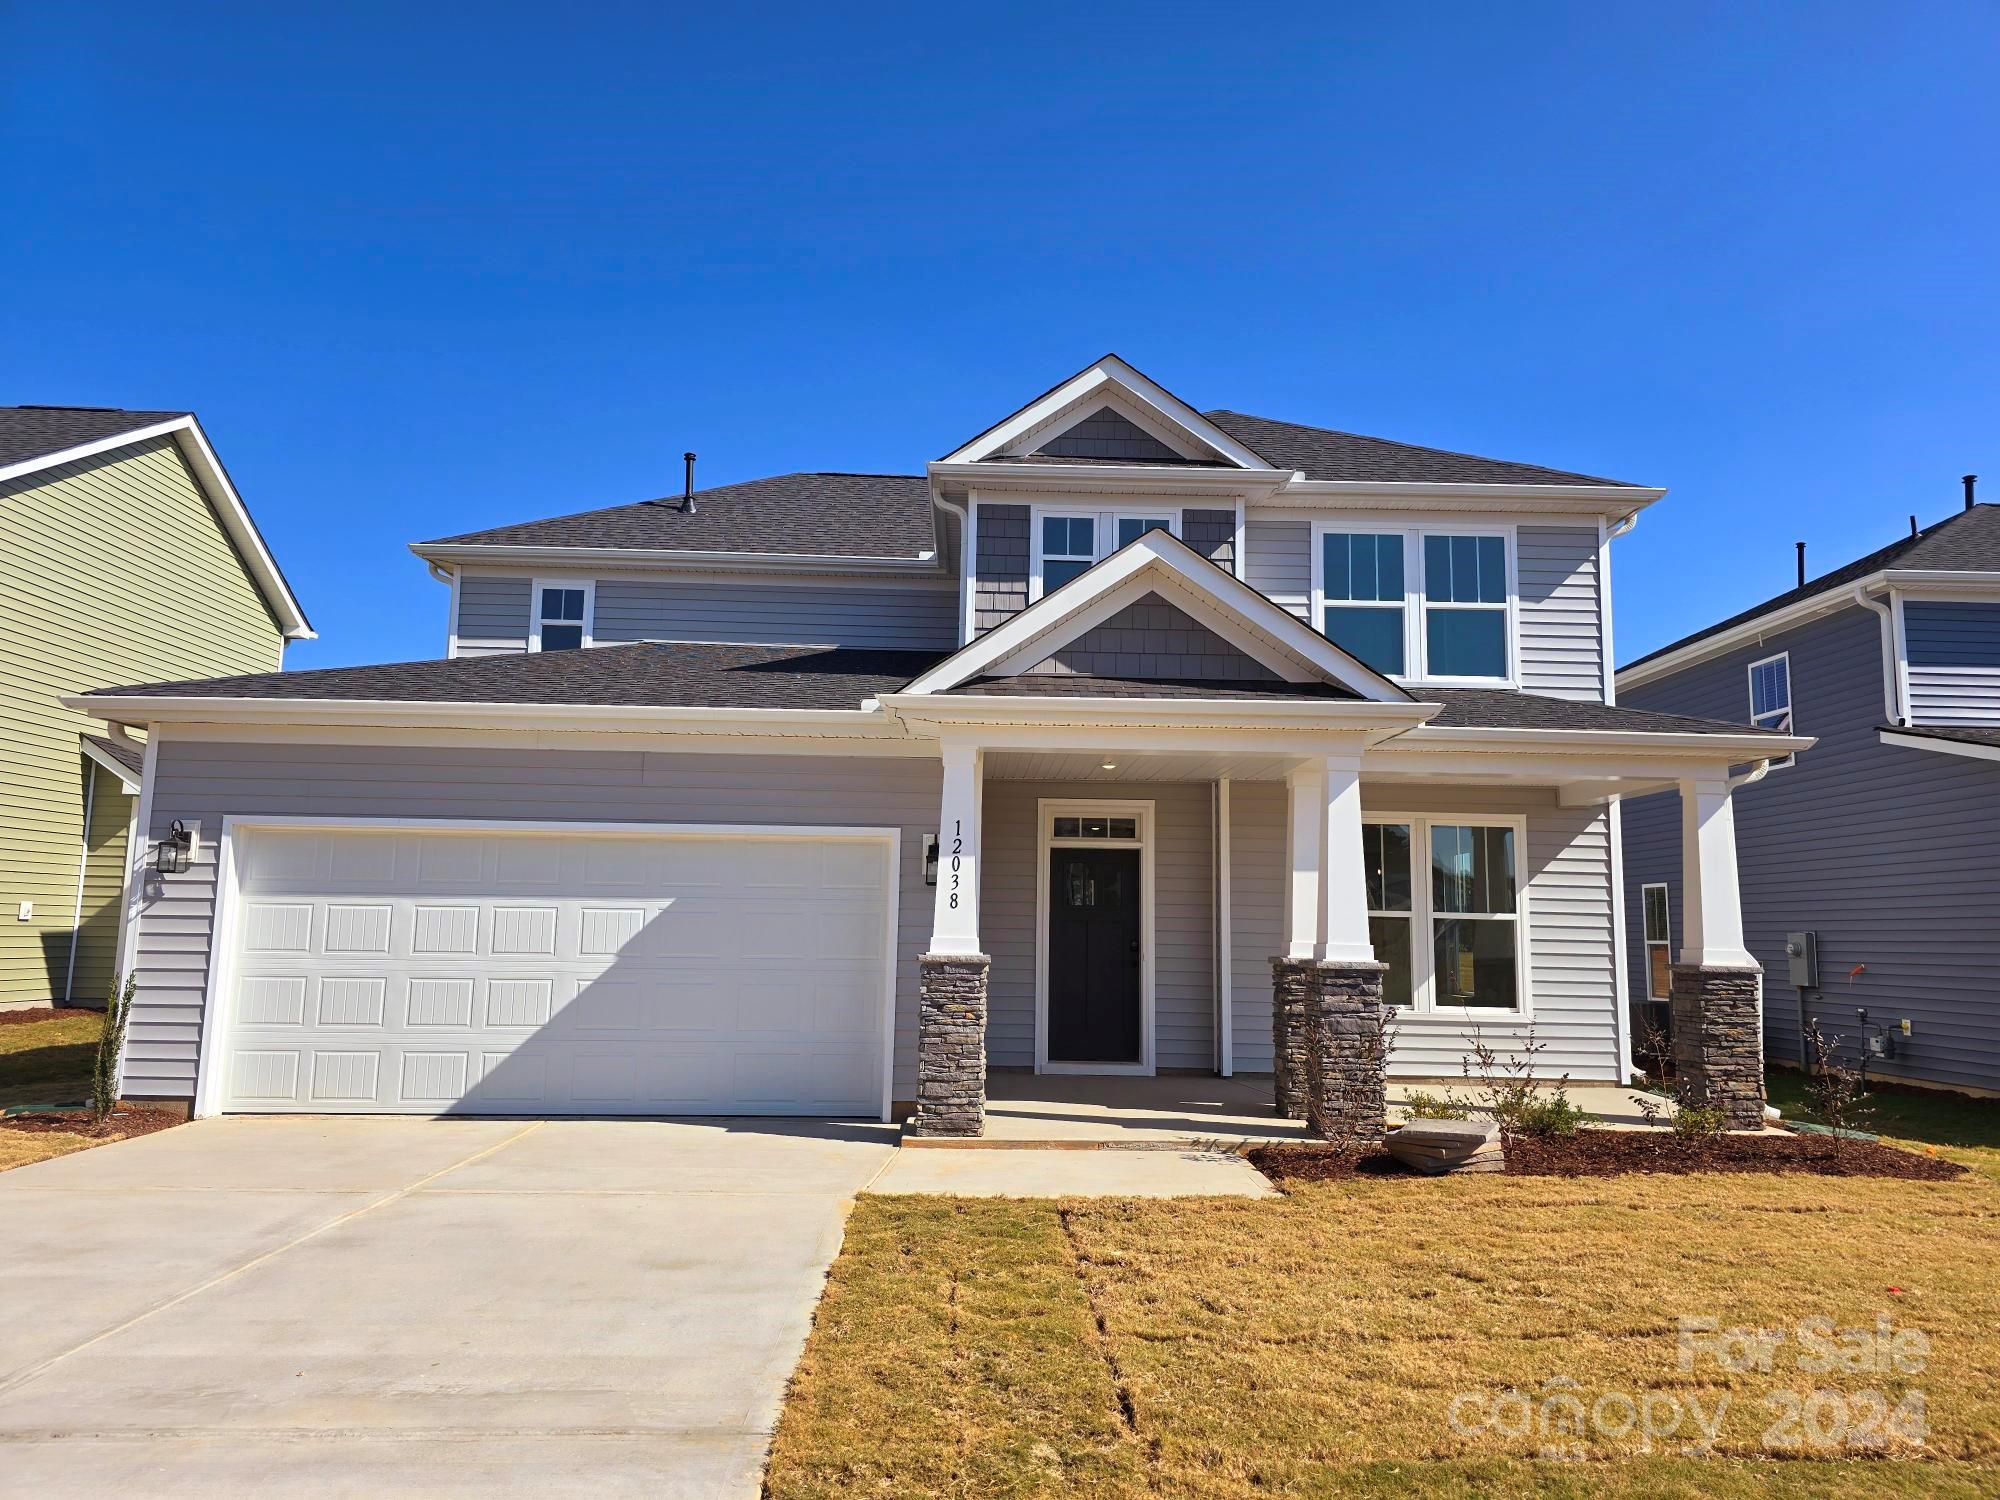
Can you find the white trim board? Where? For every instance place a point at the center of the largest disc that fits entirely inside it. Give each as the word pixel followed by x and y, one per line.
pixel 209 1080
pixel 1912 741
pixel 1047 810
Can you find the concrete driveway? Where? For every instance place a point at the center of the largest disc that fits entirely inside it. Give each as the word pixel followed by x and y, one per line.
pixel 415 1307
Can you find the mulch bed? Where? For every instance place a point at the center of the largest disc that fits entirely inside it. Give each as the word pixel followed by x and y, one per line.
pixel 126 1121
pixel 1615 1153
pixel 32 1017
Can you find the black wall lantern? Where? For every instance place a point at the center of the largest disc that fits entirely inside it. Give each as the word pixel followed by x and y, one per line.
pixel 930 858
pixel 176 851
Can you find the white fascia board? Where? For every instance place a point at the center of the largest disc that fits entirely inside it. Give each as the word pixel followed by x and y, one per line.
pixel 1615 501
pixel 1191 714
pixel 1735 748
pixel 662 559
pixel 1173 559
pixel 1110 371
pixel 229 507
pixel 1949 582
pixel 1749 633
pixel 1943 747
pixel 161 709
pixel 999 476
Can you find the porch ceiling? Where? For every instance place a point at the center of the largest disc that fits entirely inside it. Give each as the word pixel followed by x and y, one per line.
pixel 1070 765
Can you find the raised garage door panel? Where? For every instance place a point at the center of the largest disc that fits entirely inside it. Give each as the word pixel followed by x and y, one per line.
pixel 512 973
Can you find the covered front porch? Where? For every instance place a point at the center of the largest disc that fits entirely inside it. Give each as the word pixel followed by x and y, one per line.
pixel 1191 1111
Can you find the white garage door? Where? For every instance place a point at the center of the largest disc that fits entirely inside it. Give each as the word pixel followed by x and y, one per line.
pixel 556 973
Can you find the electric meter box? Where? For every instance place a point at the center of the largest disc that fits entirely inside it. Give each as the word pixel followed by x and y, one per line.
pixel 1802 955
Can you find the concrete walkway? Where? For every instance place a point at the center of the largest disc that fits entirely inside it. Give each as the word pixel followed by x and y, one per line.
pixel 286 1307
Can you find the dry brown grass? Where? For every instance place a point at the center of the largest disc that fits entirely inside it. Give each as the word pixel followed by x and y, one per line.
pixel 1313 1346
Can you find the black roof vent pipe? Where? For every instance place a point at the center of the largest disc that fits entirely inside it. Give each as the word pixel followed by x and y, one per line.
pixel 1802 562
pixel 1969 481
pixel 687 495
pixel 1913 525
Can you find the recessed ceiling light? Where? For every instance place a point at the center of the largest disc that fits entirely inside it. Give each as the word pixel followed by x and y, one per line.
pixel 1111 765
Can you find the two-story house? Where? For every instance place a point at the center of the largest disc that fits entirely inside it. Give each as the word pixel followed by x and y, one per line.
pixel 125 552
pixel 1102 745
pixel 1879 846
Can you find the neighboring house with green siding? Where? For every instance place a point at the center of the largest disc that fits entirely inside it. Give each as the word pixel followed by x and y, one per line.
pixel 126 555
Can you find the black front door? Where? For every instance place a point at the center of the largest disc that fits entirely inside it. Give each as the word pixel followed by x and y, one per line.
pixel 1094 955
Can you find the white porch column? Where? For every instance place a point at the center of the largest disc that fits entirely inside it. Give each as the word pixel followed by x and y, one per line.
pixel 1711 909
pixel 1305 830
pixel 1343 915
pixel 955 926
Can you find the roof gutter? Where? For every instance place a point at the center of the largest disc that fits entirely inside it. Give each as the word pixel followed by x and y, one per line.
pixel 1749 745
pixel 149 708
pixel 654 559
pixel 997 476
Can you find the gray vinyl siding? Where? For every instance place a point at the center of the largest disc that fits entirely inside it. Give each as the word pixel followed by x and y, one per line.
pixel 1886 853
pixel 785 614
pixel 1212 533
pixel 1183 919
pixel 1152 638
pixel 1571 963
pixel 1106 434
pixel 1954 662
pixel 492 614
pixel 1561 635
pixel 999 566
pixel 1277 562
pixel 199 782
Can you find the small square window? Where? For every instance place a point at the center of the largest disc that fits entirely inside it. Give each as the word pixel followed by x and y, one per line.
pixel 1096 828
pixel 1124 828
pixel 1068 828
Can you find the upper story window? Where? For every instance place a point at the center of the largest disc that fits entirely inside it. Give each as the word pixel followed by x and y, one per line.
pixel 1419 604
pixel 1067 542
pixel 562 615
pixel 1771 696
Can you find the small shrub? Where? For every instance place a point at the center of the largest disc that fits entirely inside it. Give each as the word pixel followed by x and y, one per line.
pixel 1833 1090
pixel 104 1069
pixel 1698 1122
pixel 1423 1106
pixel 1512 1093
pixel 1548 1114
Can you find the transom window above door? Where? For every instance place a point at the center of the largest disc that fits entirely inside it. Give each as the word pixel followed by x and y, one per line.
pixel 1418 604
pixel 1068 542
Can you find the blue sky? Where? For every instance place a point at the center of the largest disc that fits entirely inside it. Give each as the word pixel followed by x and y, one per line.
pixel 426 268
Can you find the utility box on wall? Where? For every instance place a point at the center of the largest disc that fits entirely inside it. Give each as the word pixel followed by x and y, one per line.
pixel 1802 957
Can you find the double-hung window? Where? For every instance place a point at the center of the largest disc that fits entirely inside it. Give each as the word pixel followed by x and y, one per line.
pixel 1365 610
pixel 1771 696
pixel 1451 941
pixel 1417 604
pixel 1069 542
pixel 561 615
pixel 1659 943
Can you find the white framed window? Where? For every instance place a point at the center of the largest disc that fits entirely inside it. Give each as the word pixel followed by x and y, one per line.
pixel 1771 697
pixel 1455 942
pixel 1065 543
pixel 1419 603
pixel 561 612
pixel 1659 942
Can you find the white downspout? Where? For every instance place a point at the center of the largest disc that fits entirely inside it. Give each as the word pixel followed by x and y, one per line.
pixel 964 514
pixel 1891 699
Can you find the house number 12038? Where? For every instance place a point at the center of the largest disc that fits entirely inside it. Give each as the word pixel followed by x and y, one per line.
pixel 957 856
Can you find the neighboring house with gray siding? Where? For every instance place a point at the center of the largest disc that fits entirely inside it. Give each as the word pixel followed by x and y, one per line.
pixel 1880 841
pixel 833 793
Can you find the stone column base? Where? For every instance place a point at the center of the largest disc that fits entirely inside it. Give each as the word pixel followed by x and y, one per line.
pixel 951 1044
pixel 1292 985
pixel 1346 1097
pixel 1718 1039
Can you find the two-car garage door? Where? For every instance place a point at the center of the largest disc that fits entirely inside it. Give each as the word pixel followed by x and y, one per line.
pixel 505 971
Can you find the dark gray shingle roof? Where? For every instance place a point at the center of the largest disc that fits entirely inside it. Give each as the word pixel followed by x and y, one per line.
pixel 674 675
pixel 34 431
pixel 644 675
pixel 124 754
pixel 1323 453
pixel 1964 541
pixel 845 515
pixel 1957 734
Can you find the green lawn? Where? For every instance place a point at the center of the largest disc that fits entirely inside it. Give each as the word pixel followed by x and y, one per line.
pixel 46 1062
pixel 1315 1345
pixel 1964 1129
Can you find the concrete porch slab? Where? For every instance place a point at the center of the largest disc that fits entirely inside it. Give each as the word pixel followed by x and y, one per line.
pixel 1032 1173
pixel 1086 1111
